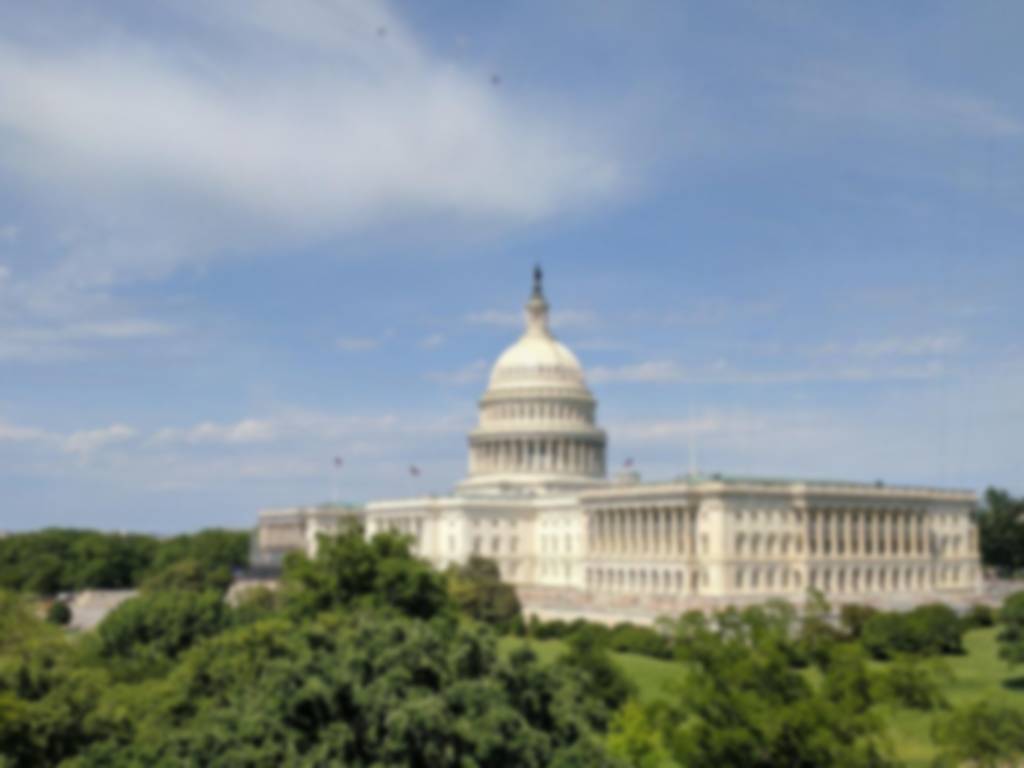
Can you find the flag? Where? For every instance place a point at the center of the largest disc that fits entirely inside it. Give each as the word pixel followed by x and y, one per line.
pixel 338 463
pixel 628 463
pixel 414 470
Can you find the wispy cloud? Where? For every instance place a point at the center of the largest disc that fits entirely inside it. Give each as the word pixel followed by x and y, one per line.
pixel 561 319
pixel 87 442
pixel 660 371
pixel 917 346
pixel 43 343
pixel 432 341
pixel 238 433
pixel 466 374
pixel 860 97
pixel 356 343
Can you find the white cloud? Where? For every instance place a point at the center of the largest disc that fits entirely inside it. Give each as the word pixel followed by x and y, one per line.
pixel 16 434
pixel 467 374
pixel 89 441
pixel 249 121
pixel 44 343
pixel 432 341
pixel 238 433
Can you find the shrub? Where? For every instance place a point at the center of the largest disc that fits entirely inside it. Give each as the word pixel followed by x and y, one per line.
pixel 59 613
pixel 928 629
pixel 853 617
pixel 478 591
pixel 644 641
pixel 978 615
pixel 1011 637
pixel 983 734
pixel 909 683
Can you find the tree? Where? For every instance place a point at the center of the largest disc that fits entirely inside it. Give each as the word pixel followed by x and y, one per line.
pixel 745 704
pixel 58 613
pixel 144 635
pixel 928 629
pixel 364 687
pixel 46 697
pixel 1011 635
pixel 907 682
pixel 349 571
pixel 853 617
pixel 1001 531
pixel 478 591
pixel 600 677
pixel 635 740
pixel 985 734
pixel 190 575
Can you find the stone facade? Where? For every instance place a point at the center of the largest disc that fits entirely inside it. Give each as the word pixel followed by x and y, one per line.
pixel 537 501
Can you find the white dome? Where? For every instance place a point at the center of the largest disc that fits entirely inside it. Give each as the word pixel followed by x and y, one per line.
pixel 537 426
pixel 537 361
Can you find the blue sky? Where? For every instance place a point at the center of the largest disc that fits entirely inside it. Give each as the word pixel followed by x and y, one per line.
pixel 239 239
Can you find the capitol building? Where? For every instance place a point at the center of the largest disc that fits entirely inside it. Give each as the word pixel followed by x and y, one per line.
pixel 537 500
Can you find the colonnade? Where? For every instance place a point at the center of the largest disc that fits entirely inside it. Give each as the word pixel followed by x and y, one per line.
pixel 652 581
pixel 536 454
pixel 538 410
pixel 670 531
pixel 888 578
pixel 845 532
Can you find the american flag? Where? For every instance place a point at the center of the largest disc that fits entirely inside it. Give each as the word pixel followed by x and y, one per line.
pixel 338 462
pixel 414 470
pixel 628 463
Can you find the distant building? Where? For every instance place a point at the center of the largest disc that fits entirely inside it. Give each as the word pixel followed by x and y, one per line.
pixel 289 529
pixel 538 502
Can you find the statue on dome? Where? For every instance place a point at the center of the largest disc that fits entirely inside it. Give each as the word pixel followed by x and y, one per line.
pixel 538 279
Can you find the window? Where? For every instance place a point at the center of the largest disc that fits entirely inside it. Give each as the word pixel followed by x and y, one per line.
pixel 477 545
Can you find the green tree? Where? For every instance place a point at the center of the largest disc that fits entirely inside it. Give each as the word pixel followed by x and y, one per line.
pixel 600 677
pixel 58 613
pixel 633 738
pixel 908 682
pixel 985 734
pixel 745 704
pixel 853 617
pixel 349 571
pixel 144 635
pixel 360 688
pixel 1011 633
pixel 46 696
pixel 1001 531
pixel 478 591
pixel 189 575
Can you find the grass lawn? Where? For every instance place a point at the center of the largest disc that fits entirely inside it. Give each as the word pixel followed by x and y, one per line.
pixel 651 676
pixel 979 674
